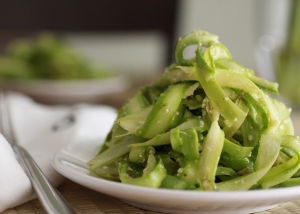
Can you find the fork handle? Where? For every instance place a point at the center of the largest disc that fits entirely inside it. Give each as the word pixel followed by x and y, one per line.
pixel 50 198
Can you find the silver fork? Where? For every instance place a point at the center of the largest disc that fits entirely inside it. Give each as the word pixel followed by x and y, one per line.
pixel 50 198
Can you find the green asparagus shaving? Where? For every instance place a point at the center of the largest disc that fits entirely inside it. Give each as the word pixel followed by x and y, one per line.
pixel 231 65
pixel 195 38
pixel 133 122
pixel 236 150
pixel 267 154
pixel 112 153
pixel 290 182
pixel 207 124
pixel 169 163
pixel 231 112
pixel 174 74
pixel 286 170
pixel 225 171
pixel 186 142
pixel 137 103
pixel 250 138
pixel 189 172
pixel 213 145
pixel 153 174
pixel 165 138
pixel 166 110
pixel 140 154
pixel 234 162
pixel 173 182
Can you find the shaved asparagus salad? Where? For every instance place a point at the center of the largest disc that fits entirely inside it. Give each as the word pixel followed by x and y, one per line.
pixel 208 123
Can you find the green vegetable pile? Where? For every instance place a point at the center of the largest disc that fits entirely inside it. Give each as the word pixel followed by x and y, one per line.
pixel 208 123
pixel 46 57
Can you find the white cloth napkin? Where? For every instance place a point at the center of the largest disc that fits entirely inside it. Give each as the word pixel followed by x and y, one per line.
pixel 43 130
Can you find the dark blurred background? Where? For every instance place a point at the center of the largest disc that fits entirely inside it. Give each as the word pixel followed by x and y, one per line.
pixel 91 18
pixel 139 36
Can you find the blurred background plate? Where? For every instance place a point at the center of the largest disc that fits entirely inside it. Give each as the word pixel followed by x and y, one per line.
pixel 69 92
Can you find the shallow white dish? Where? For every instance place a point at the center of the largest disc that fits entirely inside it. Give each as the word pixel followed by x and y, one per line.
pixel 71 160
pixel 68 92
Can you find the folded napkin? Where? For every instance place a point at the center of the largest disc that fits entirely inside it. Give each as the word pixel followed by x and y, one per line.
pixel 43 130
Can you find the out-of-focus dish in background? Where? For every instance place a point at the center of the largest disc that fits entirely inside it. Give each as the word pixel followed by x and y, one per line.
pixel 68 92
pixel 49 70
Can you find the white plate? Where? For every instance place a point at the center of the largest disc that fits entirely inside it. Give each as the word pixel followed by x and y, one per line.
pixel 71 160
pixel 68 92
